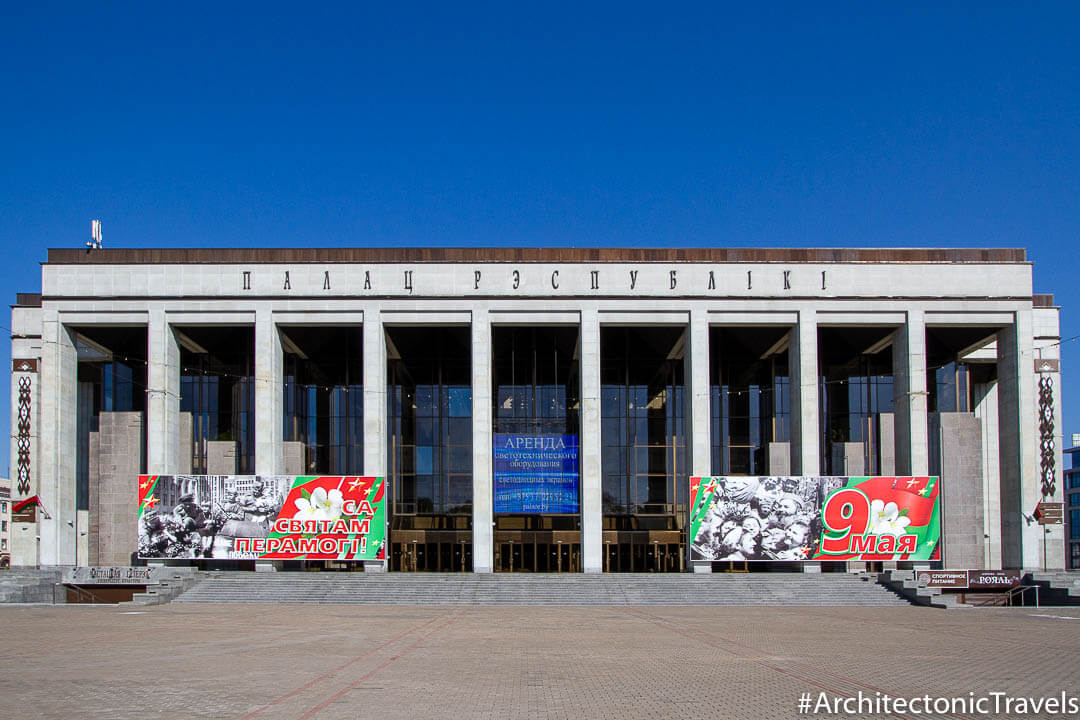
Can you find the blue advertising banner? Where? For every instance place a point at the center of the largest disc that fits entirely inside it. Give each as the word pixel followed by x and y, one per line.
pixel 536 473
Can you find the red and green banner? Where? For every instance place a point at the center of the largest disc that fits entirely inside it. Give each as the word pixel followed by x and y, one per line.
pixel 815 518
pixel 314 517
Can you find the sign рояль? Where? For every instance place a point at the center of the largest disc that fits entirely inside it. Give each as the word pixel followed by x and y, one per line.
pixel 968 579
pixel 993 579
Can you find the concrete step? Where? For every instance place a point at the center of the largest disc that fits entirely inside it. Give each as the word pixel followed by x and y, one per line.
pixel 505 589
pixel 30 585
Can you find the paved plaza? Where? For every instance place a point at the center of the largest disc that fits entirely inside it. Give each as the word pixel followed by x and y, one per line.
pixel 260 661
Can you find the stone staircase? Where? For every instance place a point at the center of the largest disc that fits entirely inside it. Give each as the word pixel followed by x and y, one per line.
pixel 903 583
pixel 31 585
pixel 178 581
pixel 1061 587
pixel 539 589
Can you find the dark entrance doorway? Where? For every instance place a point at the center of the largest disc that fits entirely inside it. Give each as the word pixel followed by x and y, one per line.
pixel 418 551
pixel 642 552
pixel 543 552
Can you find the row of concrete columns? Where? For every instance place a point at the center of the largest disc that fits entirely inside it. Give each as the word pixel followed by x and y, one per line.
pixel 58 376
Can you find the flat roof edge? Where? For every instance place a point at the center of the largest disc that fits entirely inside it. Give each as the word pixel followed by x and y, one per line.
pixel 138 256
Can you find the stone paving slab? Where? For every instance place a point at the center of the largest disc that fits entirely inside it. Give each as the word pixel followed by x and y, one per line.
pixel 288 661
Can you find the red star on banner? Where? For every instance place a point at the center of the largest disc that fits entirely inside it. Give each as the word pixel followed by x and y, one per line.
pixel 355 484
pixel 152 501
pixel 144 484
pixel 711 486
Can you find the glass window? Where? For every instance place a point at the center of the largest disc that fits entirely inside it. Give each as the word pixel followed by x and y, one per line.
pixel 324 397
pixel 749 404
pixel 856 387
pixel 643 443
pixel 217 386
pixel 430 415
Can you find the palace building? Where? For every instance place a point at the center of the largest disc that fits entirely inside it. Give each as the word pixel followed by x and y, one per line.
pixel 625 372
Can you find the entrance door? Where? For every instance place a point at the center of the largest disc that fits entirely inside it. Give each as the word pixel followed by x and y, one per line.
pixel 431 552
pixel 535 556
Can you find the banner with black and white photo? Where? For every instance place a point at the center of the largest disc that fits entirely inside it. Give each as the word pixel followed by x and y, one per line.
pixel 797 518
pixel 273 517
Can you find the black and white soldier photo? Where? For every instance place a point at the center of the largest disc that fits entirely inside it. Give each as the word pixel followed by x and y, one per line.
pixel 201 516
pixel 764 518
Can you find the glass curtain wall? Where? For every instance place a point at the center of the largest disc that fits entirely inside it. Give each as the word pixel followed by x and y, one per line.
pixel 954 382
pixel 323 407
pixel 537 393
pixel 750 398
pixel 430 448
pixel 643 440
pixel 111 376
pixel 856 388
pixel 217 388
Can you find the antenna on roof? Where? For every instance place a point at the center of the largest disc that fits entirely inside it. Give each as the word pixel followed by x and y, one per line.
pixel 94 243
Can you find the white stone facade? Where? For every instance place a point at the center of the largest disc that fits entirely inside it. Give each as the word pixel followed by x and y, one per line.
pixel 911 291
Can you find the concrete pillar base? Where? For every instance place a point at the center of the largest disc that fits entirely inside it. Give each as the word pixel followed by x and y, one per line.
pixel 265 566
pixel 374 566
pixel 811 568
pixel 701 567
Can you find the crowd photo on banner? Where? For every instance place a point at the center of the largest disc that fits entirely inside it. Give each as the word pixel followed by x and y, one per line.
pixel 762 518
pixel 200 516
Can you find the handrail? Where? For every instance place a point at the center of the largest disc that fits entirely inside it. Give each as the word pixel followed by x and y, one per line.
pixel 80 592
pixel 1020 590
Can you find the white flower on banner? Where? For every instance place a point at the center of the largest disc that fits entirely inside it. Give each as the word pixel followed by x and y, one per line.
pixel 306 510
pixel 322 505
pixel 328 502
pixel 886 519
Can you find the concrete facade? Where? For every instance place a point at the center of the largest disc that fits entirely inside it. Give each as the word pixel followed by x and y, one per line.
pixel 911 291
pixel 114 508
pixel 962 504
pixel 221 457
pixel 5 525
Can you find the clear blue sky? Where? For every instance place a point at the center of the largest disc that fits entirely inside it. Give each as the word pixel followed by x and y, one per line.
pixel 222 124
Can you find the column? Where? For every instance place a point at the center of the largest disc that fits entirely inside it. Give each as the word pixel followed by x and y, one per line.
pixel 162 396
pixel 374 394
pixel 1017 423
pixel 592 508
pixel 483 516
pixel 56 487
pixel 698 426
pixel 1053 536
pixel 374 340
pixel 269 400
pixel 805 420
pixel 700 439
pixel 909 397
pixel 25 407
pixel 986 410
